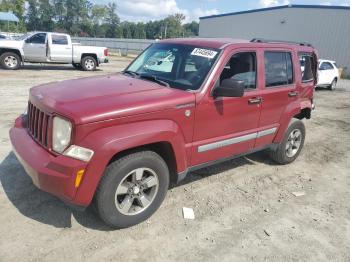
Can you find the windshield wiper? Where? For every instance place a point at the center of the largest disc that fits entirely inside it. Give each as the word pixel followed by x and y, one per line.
pixel 132 73
pixel 155 79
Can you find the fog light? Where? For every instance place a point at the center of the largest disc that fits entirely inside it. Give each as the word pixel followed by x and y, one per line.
pixel 79 153
pixel 79 177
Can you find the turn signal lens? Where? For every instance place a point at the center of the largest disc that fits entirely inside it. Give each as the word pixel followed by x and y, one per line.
pixel 79 177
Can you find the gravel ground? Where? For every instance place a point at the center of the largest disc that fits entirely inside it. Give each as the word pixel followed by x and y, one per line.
pixel 245 209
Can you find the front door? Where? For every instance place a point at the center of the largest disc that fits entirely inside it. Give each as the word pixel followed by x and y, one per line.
pixel 35 48
pixel 227 126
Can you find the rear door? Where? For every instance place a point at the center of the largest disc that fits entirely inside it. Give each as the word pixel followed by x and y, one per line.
pixel 35 48
pixel 60 48
pixel 279 91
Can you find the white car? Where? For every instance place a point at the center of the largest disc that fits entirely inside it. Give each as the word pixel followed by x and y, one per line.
pixel 45 47
pixel 328 74
pixel 3 37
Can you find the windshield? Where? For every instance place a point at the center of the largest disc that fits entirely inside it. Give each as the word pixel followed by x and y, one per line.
pixel 180 66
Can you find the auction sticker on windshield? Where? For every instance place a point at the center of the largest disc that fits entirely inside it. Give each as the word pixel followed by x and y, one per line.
pixel 204 53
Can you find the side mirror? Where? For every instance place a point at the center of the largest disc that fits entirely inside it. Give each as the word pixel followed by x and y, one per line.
pixel 230 88
pixel 27 41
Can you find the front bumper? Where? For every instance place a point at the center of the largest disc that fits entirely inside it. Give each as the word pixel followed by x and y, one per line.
pixel 50 173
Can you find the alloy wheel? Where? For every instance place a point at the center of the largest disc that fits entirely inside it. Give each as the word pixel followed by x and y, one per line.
pixel 10 61
pixel 136 191
pixel 293 143
pixel 89 64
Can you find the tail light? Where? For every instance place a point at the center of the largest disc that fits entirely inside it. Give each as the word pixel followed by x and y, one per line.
pixel 106 53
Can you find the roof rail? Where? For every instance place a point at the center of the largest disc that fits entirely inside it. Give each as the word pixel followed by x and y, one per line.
pixel 262 40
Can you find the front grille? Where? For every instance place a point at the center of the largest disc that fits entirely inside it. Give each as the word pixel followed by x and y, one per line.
pixel 38 125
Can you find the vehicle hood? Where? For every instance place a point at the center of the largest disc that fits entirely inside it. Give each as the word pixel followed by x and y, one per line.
pixel 106 97
pixel 11 43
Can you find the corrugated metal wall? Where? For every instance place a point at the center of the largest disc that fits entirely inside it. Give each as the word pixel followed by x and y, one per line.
pixel 327 29
pixel 115 43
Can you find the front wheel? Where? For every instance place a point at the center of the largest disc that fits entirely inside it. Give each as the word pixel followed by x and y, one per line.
pixel 10 61
pixel 88 63
pixel 333 85
pixel 132 189
pixel 290 147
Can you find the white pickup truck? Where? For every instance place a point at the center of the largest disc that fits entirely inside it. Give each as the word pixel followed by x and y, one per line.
pixel 44 47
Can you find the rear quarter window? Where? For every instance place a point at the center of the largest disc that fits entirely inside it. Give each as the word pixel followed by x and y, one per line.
pixel 307 64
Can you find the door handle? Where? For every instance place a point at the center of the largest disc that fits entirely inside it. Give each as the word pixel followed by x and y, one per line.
pixel 255 101
pixel 293 93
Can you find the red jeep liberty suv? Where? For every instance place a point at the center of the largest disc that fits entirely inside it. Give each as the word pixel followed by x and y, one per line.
pixel 119 140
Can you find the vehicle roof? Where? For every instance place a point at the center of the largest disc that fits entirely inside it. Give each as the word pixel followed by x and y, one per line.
pixel 326 60
pixel 221 43
pixel 44 32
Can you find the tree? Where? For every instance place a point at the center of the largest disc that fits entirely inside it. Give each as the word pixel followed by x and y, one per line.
pixel 98 17
pixel 112 21
pixel 17 7
pixel 173 26
pixel 191 29
pixel 46 12
pixel 32 17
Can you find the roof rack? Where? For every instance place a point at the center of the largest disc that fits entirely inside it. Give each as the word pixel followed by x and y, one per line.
pixel 262 40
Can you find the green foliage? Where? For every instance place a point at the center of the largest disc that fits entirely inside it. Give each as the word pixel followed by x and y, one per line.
pixel 82 18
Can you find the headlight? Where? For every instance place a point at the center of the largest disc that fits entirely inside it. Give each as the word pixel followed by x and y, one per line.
pixel 80 153
pixel 61 134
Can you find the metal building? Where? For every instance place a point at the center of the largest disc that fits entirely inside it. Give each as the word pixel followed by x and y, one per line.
pixel 325 27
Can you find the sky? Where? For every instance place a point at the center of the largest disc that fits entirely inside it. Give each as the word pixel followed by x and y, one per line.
pixel 145 10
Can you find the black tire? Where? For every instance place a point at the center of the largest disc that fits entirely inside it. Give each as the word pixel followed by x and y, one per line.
pixel 105 197
pixel 88 63
pixel 280 154
pixel 8 64
pixel 77 66
pixel 333 85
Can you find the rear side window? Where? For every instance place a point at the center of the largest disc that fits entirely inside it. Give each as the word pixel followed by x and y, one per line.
pixel 59 40
pixel 307 64
pixel 278 69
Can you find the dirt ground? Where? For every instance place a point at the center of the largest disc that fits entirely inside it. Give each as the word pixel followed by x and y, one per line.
pixel 244 208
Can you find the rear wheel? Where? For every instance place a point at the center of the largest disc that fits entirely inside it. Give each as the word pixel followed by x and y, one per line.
pixel 132 189
pixel 290 147
pixel 10 61
pixel 333 85
pixel 88 63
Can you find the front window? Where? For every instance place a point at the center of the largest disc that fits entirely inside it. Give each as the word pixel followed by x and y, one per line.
pixel 241 66
pixel 179 66
pixel 39 38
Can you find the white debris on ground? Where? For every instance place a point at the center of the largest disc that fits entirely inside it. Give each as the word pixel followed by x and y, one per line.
pixel 298 193
pixel 188 213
